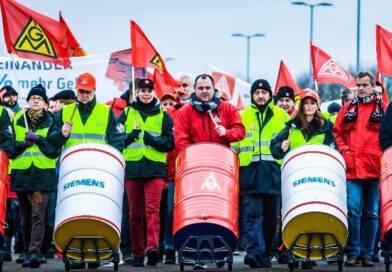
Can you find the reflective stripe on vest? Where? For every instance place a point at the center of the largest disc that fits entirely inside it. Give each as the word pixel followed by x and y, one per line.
pixel 32 154
pixel 137 150
pixel 94 130
pixel 251 149
pixel 297 139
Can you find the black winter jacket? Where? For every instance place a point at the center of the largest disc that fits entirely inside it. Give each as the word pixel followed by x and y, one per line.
pixel 146 168
pixel 35 179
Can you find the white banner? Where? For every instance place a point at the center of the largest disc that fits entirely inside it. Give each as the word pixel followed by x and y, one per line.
pixel 23 74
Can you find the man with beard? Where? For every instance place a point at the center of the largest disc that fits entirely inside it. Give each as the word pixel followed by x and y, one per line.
pixel 260 190
pixel 9 98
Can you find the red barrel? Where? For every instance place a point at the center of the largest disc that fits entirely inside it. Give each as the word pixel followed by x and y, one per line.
pixel 206 193
pixel 386 197
pixel 4 180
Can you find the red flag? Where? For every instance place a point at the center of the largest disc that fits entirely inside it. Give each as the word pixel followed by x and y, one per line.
pixel 379 79
pixel 285 79
pixel 160 85
pixel 384 50
pixel 145 55
pixel 327 70
pixel 70 41
pixel 32 35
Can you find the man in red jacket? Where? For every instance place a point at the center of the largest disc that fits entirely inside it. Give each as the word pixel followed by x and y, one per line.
pixel 194 124
pixel 356 132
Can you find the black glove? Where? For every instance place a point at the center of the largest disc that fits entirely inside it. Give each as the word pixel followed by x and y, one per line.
pixel 148 139
pixel 131 137
pixel 26 144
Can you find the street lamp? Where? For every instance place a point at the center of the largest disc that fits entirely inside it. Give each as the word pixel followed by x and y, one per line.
pixel 168 59
pixel 358 32
pixel 311 6
pixel 248 37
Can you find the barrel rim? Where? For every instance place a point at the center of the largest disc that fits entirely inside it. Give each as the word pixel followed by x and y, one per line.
pixel 70 152
pixel 285 162
pixel 98 218
pixel 207 143
pixel 314 202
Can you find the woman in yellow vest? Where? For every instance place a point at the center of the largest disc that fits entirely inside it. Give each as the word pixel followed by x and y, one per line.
pixel 33 174
pixel 149 136
pixel 308 126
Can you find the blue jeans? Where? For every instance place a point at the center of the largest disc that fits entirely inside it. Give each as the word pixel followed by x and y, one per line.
pixel 363 205
pixel 169 217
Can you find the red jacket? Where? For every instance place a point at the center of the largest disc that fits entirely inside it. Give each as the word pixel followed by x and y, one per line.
pixel 118 105
pixel 172 155
pixel 192 126
pixel 358 143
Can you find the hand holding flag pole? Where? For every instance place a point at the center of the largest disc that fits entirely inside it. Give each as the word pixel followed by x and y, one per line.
pixel 25 119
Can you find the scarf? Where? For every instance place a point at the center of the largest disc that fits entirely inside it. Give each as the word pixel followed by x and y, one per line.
pixel 351 114
pixel 204 107
pixel 35 118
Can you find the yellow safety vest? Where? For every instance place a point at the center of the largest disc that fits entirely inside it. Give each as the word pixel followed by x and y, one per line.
pixel 255 146
pixel 32 154
pixel 297 139
pixel 94 130
pixel 153 125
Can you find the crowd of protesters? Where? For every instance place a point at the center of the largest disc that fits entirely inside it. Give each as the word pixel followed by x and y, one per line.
pixel 151 131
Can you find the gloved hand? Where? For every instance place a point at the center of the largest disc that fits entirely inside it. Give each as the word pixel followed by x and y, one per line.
pixel 26 144
pixel 148 139
pixel 31 136
pixel 132 136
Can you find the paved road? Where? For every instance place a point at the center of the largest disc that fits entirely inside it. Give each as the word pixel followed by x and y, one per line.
pixel 57 266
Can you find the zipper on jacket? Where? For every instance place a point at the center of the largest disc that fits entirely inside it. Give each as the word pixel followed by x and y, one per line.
pixel 260 129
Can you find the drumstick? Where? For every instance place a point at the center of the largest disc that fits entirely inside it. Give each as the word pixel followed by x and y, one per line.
pixel 290 131
pixel 73 111
pixel 25 120
pixel 212 118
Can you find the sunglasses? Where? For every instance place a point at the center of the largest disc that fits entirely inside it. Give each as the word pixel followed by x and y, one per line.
pixel 81 91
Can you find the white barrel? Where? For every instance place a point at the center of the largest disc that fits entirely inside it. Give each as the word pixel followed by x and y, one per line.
pixel 314 197
pixel 89 197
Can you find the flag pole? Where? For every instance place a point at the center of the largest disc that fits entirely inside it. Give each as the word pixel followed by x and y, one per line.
pixel 316 85
pixel 18 91
pixel 133 94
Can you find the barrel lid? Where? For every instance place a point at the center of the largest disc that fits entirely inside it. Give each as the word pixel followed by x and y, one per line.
pixel 90 146
pixel 314 149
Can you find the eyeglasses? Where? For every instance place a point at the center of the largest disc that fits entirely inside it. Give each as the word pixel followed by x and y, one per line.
pixel 184 85
pixel 363 85
pixel 81 91
pixel 200 88
pixel 36 98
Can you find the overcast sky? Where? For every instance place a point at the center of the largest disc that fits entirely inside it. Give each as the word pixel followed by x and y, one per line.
pixel 198 32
